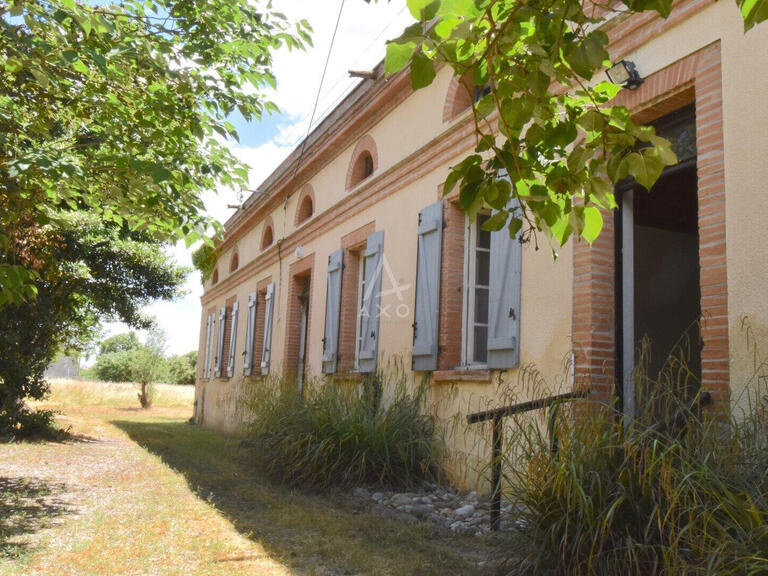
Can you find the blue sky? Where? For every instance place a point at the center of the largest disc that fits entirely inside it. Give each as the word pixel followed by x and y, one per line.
pixel 360 41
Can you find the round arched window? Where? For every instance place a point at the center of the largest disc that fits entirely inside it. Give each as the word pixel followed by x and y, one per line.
pixel 267 238
pixel 306 209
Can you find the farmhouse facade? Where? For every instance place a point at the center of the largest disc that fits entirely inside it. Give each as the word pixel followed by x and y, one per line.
pixel 348 258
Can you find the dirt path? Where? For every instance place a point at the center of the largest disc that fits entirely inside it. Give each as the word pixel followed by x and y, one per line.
pixel 146 493
pixel 103 505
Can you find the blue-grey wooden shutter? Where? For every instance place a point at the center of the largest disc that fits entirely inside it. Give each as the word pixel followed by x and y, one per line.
pixel 504 301
pixel 269 307
pixel 218 361
pixel 332 311
pixel 250 329
pixel 208 346
pixel 427 308
pixel 233 341
pixel 369 332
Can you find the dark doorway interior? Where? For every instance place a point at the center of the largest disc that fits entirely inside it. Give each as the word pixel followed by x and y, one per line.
pixel 666 270
pixel 658 296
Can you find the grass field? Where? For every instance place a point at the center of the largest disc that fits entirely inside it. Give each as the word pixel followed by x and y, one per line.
pixel 144 492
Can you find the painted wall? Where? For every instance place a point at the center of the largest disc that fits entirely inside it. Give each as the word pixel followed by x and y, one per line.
pixel 547 284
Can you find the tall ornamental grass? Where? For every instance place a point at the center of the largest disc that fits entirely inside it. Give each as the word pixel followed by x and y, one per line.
pixel 681 491
pixel 341 434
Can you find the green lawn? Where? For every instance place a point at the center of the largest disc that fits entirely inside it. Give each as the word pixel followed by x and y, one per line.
pixel 142 492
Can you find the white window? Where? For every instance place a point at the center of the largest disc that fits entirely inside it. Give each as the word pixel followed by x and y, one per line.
pixel 361 311
pixel 477 273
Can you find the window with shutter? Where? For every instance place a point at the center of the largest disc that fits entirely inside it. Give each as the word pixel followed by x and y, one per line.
pixel 427 305
pixel 332 312
pixel 208 345
pixel 218 360
pixel 492 298
pixel 232 340
pixel 250 330
pixel 269 306
pixel 370 290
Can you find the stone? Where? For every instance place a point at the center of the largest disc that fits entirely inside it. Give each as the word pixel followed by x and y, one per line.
pixel 377 496
pixel 464 511
pixel 361 492
pixel 422 510
pixel 400 500
pixel 473 496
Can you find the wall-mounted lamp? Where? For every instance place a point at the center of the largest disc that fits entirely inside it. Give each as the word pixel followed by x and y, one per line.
pixel 624 73
pixel 299 251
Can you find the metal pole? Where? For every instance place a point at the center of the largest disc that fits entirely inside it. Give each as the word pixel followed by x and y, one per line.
pixel 496 473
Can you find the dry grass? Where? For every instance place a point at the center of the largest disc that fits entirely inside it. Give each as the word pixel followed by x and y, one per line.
pixel 143 492
pixel 79 393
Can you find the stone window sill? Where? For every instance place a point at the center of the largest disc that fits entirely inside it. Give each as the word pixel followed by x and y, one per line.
pixel 481 375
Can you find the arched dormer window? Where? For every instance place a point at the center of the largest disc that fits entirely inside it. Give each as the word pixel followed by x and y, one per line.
pixel 215 276
pixel 267 237
pixel 306 205
pixel 234 261
pixel 462 92
pixel 364 162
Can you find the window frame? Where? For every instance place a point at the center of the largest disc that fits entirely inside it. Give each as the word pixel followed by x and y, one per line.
pixel 468 324
pixel 360 255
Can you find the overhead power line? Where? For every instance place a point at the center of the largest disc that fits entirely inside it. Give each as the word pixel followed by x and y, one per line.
pixel 319 88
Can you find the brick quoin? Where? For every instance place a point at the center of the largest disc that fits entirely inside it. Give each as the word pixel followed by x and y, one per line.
pixel 696 78
pixel 298 272
pixel 451 286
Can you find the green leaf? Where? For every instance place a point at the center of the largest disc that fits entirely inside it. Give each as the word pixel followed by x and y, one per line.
pixel 587 56
pixel 496 222
pixel 422 71
pixel 645 166
pixel 423 9
pixel 398 56
pixel 593 224
pixel 753 12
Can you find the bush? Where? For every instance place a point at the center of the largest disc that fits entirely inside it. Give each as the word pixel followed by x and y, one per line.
pixel 671 496
pixel 181 368
pixel 341 435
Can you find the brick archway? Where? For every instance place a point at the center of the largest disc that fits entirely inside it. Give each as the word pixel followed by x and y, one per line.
pixel 695 78
pixel 365 146
pixel 305 207
pixel 458 98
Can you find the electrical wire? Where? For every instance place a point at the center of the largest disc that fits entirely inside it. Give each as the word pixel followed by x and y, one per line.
pixel 319 88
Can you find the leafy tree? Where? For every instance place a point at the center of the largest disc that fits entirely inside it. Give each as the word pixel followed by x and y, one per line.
pixel 88 270
pixel 119 343
pixel 149 366
pixel 121 110
pixel 543 121
pixel 181 368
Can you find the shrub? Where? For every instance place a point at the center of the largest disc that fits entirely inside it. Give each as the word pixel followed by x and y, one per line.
pixel 181 368
pixel 670 495
pixel 342 435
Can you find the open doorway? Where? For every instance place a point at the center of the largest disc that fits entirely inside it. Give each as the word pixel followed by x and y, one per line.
pixel 658 288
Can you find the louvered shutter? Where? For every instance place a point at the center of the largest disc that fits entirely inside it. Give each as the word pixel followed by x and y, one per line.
pixel 250 329
pixel 218 360
pixel 269 306
pixel 332 311
pixel 504 301
pixel 427 307
pixel 208 346
pixel 232 341
pixel 369 333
